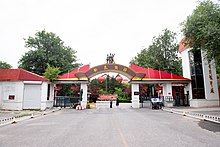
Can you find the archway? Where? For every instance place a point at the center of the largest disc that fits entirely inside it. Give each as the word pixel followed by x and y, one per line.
pixel 136 74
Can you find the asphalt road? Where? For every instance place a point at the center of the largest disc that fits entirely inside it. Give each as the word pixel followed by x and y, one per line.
pixel 111 128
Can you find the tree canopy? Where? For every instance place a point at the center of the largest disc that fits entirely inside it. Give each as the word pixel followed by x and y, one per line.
pixel 51 73
pixel 47 48
pixel 162 54
pixel 5 65
pixel 202 29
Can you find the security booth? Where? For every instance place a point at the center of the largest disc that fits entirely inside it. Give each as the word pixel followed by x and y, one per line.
pixel 21 89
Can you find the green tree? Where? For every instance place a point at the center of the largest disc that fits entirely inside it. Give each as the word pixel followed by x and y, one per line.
pixel 51 73
pixel 162 54
pixel 5 65
pixel 47 48
pixel 202 29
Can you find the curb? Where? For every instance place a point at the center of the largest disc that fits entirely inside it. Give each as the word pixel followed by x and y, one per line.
pixel 18 118
pixel 205 117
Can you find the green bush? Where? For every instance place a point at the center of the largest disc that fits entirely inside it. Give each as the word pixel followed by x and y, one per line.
pixel 124 100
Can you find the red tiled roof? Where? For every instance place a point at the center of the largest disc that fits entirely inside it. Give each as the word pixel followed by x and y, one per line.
pixel 72 73
pixel 156 74
pixel 84 68
pixel 19 75
pixel 69 74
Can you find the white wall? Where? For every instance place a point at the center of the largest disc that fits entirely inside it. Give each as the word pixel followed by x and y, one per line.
pixel 0 95
pixel 167 92
pixel 186 70
pixel 17 88
pixel 11 88
pixel 211 99
pixel 135 98
pixel 44 95
pixel 51 99
pixel 84 96
pixel 44 102
pixel 186 64
pixel 210 79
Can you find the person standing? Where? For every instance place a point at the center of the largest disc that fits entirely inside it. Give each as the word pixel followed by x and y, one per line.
pixel 117 102
pixel 111 103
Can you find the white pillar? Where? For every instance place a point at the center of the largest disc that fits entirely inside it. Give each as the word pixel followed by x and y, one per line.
pixel 135 95
pixel 210 83
pixel 84 87
pixel 167 93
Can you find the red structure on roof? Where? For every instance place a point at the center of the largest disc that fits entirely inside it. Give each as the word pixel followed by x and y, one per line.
pixel 148 73
pixel 19 75
pixel 156 74
pixel 71 75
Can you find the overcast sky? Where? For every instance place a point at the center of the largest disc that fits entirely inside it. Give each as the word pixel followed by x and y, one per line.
pixel 93 28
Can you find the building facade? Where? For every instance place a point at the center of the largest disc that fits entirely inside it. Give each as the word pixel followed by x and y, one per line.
pixel 20 89
pixel 203 89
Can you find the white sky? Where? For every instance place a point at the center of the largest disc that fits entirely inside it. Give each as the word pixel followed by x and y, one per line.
pixel 93 28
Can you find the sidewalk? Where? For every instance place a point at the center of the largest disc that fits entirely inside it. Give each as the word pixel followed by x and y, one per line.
pixel 9 116
pixel 208 113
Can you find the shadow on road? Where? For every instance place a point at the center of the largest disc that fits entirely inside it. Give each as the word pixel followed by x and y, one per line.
pixel 210 126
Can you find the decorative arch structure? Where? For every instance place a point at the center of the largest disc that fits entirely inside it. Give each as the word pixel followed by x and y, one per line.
pixel 117 68
pixel 136 74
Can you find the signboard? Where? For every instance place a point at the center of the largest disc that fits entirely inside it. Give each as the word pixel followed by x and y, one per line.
pixel 169 98
pixel 136 93
pixel 11 97
pixel 110 68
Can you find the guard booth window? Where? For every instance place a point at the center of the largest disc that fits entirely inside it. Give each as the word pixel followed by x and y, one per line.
pixel 48 91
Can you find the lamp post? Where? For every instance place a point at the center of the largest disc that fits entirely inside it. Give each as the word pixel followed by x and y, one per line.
pixel 106 83
pixel 102 78
pixel 105 77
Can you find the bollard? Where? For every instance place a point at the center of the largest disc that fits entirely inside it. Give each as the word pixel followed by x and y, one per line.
pixel 32 115
pixel 184 113
pixel 13 120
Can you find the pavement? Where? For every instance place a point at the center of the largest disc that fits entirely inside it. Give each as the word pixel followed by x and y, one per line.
pixel 207 113
pixel 10 116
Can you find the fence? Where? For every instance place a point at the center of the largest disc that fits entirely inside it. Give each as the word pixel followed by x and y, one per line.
pixel 65 101
pixel 201 116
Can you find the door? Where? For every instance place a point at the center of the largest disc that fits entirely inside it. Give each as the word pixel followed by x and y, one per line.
pixel 32 96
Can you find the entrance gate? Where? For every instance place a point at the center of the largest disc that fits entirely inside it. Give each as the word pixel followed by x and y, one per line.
pixel 65 101
pixel 136 74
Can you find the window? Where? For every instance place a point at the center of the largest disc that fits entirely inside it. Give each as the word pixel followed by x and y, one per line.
pixel 197 75
pixel 48 92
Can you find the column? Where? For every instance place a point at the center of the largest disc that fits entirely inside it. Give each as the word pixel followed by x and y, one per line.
pixel 84 87
pixel 167 93
pixel 135 95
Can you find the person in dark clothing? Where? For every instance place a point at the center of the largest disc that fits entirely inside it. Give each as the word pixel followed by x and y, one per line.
pixel 111 103
pixel 117 102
